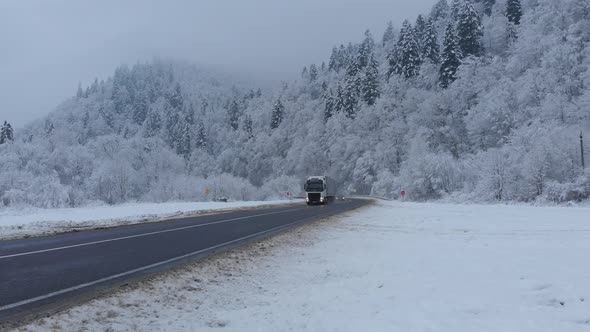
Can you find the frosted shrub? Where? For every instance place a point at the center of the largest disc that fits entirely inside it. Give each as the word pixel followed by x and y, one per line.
pixel 565 192
pixel 430 176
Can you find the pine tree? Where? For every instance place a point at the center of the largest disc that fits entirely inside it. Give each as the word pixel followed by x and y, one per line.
pixel 514 11
pixel 388 35
pixel 140 108
pixel 248 126
pixel 183 147
pixel 313 72
pixel 406 60
pixel 49 127
pixel 189 116
pixel 333 63
pixel 304 73
pixel 328 99
pixel 173 125
pixel 487 6
pixel 365 50
pixel 419 32
pixel 152 124
pixel 79 93
pixel 3 133
pixel 370 85
pixel 451 56
pixel 339 100
pixel 6 133
pixel 94 86
pixel 175 99
pixel 201 141
pixel 469 30
pixel 9 132
pixel 440 11
pixel 430 48
pixel 278 112
pixel 233 115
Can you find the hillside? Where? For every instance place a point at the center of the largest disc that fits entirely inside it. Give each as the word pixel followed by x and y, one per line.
pixel 481 100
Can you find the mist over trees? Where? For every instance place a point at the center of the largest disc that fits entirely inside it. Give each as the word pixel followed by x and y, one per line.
pixel 476 100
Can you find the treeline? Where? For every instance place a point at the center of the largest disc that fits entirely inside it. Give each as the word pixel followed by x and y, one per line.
pixel 478 100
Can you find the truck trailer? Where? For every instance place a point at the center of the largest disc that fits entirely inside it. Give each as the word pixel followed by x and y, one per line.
pixel 319 190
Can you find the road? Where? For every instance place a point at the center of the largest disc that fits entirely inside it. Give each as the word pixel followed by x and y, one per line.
pixel 45 273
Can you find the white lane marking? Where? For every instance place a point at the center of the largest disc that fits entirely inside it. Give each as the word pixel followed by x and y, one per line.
pixel 141 235
pixel 91 283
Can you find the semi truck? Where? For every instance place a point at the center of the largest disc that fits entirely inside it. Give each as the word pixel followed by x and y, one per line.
pixel 319 189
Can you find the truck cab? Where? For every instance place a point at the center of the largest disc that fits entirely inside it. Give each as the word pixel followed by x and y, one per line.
pixel 317 190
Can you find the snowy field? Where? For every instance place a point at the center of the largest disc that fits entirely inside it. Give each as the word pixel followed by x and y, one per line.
pixel 390 267
pixel 31 222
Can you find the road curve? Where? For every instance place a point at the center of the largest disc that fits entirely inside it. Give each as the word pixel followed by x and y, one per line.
pixel 38 274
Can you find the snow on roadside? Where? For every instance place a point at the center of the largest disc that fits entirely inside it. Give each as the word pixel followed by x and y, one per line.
pixel 390 267
pixel 32 222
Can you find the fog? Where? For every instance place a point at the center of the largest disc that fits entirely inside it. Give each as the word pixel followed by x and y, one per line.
pixel 50 46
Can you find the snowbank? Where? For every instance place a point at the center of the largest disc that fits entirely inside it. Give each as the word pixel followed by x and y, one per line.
pixel 392 267
pixel 33 221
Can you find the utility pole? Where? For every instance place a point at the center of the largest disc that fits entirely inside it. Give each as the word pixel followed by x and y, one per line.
pixel 582 150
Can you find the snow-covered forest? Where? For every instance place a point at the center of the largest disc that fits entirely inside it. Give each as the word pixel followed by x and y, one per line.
pixel 476 100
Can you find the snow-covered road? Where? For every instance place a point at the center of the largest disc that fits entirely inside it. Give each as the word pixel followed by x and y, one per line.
pixel 390 267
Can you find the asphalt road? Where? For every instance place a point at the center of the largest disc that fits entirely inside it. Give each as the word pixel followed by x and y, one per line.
pixel 42 274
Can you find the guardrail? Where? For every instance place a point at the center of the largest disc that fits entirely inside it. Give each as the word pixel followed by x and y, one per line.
pixel 370 196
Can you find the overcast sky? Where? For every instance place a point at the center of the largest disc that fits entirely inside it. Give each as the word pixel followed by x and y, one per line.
pixel 50 46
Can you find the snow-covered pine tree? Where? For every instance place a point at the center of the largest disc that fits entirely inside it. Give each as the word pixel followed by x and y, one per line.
pixel 328 99
pixel 440 11
pixel 278 112
pixel 365 50
pixel 79 93
pixel 430 48
pixel 233 115
pixel 201 140
pixel 514 11
pixel 140 107
pixel 469 30
pixel 304 73
pixel 419 31
pixel 48 128
pixel 152 124
pixel 407 56
pixel 6 133
pixel 175 99
pixel 9 132
pixel 333 63
pixel 450 58
pixel 173 124
pixel 388 35
pixel 183 147
pixel 339 100
pixel 189 114
pixel 248 126
pixel 370 84
pixel 313 72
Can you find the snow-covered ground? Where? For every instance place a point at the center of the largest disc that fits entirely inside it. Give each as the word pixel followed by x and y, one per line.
pixel 31 222
pixel 390 267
